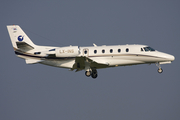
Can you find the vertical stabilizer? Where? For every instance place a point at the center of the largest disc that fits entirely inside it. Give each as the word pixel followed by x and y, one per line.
pixel 19 39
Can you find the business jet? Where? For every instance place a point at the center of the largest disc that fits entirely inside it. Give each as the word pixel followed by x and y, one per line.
pixel 85 58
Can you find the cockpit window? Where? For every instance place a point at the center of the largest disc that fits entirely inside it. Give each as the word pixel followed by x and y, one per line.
pixel 146 49
pixel 149 49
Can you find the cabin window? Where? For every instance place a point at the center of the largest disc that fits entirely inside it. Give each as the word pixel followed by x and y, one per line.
pixel 142 49
pixel 127 49
pixel 119 50
pixel 111 50
pixel 85 52
pixel 95 51
pixel 103 51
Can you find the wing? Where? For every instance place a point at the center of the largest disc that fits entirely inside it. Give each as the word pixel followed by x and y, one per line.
pixel 84 63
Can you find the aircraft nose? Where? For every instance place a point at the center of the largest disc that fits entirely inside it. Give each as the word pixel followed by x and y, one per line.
pixel 170 57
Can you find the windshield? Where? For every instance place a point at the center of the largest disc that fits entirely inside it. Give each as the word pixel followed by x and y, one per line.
pixel 149 49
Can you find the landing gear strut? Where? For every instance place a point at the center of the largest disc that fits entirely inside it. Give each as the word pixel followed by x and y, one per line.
pixel 160 70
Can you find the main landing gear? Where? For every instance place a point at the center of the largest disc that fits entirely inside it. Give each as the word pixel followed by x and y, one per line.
pixel 93 73
pixel 160 70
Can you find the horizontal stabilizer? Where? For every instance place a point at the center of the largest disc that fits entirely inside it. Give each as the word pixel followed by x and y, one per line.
pixel 32 61
pixel 24 46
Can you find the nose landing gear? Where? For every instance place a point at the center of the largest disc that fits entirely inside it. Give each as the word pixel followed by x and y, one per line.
pixel 160 70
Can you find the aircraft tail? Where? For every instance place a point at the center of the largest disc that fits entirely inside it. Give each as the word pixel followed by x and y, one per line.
pixel 19 39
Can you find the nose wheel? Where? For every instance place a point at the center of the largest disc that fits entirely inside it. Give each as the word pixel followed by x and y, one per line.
pixel 160 70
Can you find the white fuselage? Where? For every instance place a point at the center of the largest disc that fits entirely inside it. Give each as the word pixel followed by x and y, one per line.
pixel 112 56
pixel 125 55
pixel 84 58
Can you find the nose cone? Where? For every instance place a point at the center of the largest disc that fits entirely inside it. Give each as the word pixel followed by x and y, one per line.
pixel 164 57
pixel 170 57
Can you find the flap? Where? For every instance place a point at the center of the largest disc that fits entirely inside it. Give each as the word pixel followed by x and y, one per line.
pixel 84 62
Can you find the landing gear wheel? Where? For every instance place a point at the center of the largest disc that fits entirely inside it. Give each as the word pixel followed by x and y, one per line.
pixel 94 74
pixel 160 70
pixel 88 73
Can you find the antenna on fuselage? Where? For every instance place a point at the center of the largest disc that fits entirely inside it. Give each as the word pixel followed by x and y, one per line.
pixel 94 45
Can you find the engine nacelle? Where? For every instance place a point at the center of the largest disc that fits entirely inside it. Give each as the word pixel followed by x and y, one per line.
pixel 71 51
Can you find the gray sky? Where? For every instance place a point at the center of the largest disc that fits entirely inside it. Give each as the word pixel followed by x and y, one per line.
pixel 38 92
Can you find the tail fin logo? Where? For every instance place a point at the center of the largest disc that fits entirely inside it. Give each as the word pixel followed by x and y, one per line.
pixel 20 38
